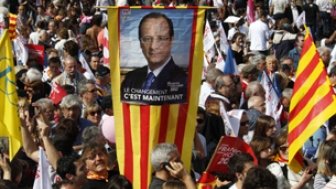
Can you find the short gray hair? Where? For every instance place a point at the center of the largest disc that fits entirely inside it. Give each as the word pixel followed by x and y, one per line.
pixel 83 86
pixel 252 87
pixel 71 100
pixel 256 58
pixel 163 152
pixel 212 74
pixel 44 103
pixel 92 133
pixel 34 75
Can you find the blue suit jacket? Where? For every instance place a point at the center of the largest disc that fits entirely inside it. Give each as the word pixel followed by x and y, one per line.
pixel 170 86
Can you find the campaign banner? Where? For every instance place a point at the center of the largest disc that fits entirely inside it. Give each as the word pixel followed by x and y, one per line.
pixel 156 64
pixel 156 48
pixel 226 148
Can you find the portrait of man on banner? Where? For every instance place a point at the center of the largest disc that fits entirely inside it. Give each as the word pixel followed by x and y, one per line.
pixel 158 61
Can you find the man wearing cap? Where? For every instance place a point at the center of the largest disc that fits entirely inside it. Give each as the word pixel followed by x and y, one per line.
pixel 161 81
pixel 103 82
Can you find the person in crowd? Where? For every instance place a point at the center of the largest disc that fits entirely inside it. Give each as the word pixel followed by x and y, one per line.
pixel 53 69
pixel 167 165
pixel 295 53
pixel 323 174
pixel 224 86
pixel 71 107
pixel 93 113
pixel 279 167
pixel 265 127
pixel 259 178
pixel 237 45
pixel 200 148
pixel 248 74
pixel 94 160
pixel 330 161
pixel 88 94
pixel 70 76
pixel 103 81
pixel 120 182
pixel 259 60
pixel 239 164
pixel 93 66
pixel 95 29
pixel 259 34
pixel 263 150
pixel 34 87
pixel 255 89
pixel 208 86
pixel 325 53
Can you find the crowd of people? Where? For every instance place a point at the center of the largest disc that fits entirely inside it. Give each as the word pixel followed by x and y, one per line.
pixel 73 130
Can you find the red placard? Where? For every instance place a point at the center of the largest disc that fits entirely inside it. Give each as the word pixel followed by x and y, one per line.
pixel 226 148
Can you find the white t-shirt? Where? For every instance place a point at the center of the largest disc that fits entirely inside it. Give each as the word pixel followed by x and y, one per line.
pixel 259 34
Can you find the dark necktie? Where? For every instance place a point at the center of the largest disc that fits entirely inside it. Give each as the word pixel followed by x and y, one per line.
pixel 149 80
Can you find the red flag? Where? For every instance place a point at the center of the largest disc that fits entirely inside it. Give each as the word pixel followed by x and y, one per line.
pixel 250 11
pixel 57 93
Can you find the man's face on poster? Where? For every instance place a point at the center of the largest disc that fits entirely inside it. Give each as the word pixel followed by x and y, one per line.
pixel 155 41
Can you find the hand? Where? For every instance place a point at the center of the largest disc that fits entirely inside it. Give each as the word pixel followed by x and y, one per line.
pixel 24 117
pixel 4 164
pixel 176 169
pixel 43 128
pixel 307 175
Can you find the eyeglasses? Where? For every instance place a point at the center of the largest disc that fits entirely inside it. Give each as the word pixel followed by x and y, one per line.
pixel 92 90
pixel 160 39
pixel 283 148
pixel 95 113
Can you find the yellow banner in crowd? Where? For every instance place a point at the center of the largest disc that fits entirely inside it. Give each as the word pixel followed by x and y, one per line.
pixel 9 118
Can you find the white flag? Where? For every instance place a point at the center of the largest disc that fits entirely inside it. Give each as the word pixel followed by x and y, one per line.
pixel 88 74
pixel 220 61
pixel 272 100
pixel 301 20
pixel 20 51
pixel 223 42
pixel 42 177
pixel 208 38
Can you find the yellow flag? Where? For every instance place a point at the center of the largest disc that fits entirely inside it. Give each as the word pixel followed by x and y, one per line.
pixel 9 118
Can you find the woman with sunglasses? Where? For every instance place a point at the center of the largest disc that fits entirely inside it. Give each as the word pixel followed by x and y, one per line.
pixel 93 113
pixel 279 166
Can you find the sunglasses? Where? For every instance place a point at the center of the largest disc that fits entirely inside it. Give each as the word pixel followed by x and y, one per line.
pixel 283 148
pixel 95 113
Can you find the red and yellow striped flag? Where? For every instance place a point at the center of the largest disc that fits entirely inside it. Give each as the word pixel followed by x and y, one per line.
pixel 312 103
pixel 12 25
pixel 140 127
